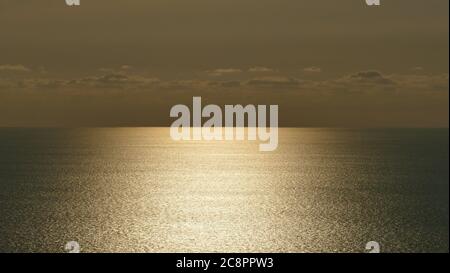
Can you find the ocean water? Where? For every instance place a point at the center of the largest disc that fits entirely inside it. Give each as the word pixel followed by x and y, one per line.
pixel 136 190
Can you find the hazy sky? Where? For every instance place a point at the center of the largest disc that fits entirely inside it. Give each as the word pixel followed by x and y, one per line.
pixel 125 63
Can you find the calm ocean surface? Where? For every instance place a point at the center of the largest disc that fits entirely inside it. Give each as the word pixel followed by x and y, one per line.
pixel 136 190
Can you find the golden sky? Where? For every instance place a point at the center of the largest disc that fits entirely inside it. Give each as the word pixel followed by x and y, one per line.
pixel 125 63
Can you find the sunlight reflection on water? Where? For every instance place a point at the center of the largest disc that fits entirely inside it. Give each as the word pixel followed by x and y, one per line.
pixel 136 190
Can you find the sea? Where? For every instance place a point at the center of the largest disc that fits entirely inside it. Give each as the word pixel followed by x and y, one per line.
pixel 137 190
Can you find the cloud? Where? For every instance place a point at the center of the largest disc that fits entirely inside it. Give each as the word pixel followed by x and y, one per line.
pixel 225 84
pixel 41 83
pixel 14 68
pixel 360 82
pixel 126 67
pixel 275 82
pixel 370 77
pixel 417 68
pixel 184 85
pixel 115 80
pixel 223 71
pixel 6 84
pixel 122 69
pixel 374 82
pixel 424 83
pixel 312 69
pixel 260 69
